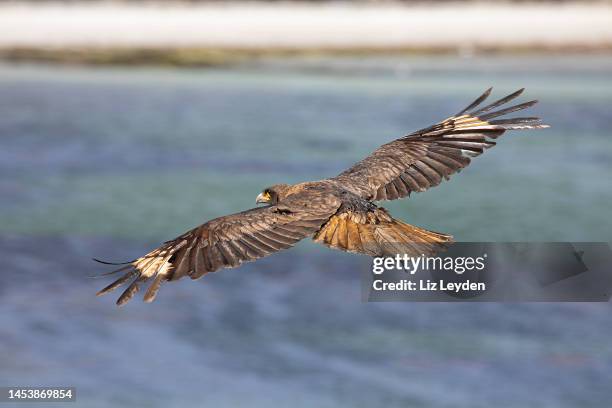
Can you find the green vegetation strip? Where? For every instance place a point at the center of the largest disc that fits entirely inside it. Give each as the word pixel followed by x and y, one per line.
pixel 215 57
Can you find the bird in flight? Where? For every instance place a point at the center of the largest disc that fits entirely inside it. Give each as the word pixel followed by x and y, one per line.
pixel 339 212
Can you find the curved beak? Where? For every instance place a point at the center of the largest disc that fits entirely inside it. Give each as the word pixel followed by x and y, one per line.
pixel 261 199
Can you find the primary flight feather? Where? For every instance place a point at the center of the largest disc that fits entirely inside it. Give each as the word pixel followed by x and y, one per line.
pixel 338 212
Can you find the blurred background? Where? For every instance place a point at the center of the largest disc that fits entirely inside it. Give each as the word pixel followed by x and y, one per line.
pixel 123 124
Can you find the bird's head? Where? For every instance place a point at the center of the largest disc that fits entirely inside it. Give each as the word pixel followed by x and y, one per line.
pixel 272 195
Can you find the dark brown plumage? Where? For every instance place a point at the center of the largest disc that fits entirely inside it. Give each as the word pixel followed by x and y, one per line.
pixel 338 212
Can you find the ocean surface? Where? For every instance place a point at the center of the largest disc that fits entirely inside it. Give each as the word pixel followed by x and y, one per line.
pixel 109 162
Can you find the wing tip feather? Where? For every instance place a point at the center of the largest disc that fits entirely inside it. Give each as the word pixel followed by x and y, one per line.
pixel 128 293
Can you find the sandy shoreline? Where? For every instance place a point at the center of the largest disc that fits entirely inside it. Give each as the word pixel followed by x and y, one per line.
pixel 75 30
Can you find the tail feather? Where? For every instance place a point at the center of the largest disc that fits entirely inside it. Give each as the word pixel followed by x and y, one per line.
pixel 379 235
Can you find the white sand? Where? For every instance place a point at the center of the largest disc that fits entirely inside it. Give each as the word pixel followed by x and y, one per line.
pixel 304 25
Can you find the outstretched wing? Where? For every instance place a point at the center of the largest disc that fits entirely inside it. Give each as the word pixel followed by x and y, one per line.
pixel 224 242
pixel 424 158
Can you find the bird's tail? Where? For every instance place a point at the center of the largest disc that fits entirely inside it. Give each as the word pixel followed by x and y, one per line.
pixel 378 234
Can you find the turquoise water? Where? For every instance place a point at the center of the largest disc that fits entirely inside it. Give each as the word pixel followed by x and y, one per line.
pixel 149 153
pixel 109 162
